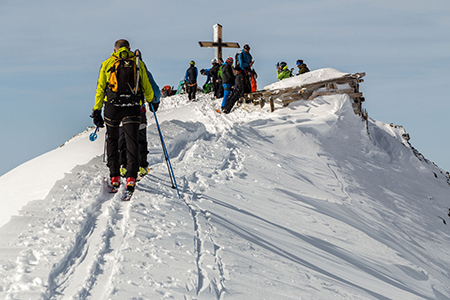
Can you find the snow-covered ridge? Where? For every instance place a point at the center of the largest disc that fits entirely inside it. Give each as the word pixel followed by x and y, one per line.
pixel 89 129
pixel 308 202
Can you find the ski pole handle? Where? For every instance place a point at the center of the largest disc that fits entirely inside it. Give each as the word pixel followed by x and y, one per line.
pixel 93 136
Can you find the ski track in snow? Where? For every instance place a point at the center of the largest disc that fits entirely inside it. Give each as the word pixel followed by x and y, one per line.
pixel 91 255
pixel 97 246
pixel 208 251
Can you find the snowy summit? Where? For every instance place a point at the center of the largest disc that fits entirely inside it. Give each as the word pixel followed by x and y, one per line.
pixel 307 202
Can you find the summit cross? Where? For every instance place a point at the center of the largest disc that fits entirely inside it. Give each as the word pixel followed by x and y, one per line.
pixel 217 43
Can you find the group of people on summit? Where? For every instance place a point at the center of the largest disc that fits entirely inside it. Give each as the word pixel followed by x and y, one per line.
pixel 125 85
pixel 229 82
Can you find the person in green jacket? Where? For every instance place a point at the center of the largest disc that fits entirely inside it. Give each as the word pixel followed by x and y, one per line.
pixel 122 106
pixel 283 71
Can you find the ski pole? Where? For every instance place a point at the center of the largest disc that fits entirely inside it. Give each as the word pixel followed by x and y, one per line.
pixel 93 136
pixel 163 146
pixel 104 147
pixel 138 56
pixel 164 149
pixel 167 162
pixel 169 165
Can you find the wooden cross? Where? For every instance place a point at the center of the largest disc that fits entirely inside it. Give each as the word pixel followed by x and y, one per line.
pixel 218 44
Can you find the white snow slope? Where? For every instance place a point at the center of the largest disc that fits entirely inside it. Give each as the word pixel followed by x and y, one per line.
pixel 308 202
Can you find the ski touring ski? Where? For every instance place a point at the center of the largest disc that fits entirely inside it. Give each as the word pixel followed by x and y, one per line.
pixel 127 196
pixel 125 193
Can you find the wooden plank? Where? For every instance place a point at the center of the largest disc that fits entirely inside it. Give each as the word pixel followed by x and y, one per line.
pixel 287 101
pixel 335 92
pixel 355 95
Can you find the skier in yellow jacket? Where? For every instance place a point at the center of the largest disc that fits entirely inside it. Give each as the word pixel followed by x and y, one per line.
pixel 122 105
pixel 283 71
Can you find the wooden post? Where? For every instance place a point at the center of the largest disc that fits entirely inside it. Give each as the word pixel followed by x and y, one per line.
pixel 218 44
pixel 218 39
pixel 272 105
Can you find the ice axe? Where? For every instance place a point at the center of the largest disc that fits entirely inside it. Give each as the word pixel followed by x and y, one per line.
pixel 93 136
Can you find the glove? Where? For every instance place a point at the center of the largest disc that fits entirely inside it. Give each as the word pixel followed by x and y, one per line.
pixel 96 115
pixel 154 106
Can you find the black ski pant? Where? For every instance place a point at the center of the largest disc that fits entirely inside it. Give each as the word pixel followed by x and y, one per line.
pixel 142 144
pixel 235 95
pixel 247 79
pixel 216 87
pixel 220 91
pixel 130 118
pixel 143 147
pixel 192 89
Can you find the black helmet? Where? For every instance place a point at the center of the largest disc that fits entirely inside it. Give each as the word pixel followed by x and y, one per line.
pixel 247 47
pixel 283 64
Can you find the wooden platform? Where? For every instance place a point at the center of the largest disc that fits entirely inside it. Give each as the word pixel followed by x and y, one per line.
pixel 347 84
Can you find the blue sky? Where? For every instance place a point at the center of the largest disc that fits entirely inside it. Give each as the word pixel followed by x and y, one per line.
pixel 53 49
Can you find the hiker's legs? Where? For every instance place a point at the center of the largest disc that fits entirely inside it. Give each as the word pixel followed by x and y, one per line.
pixel 131 129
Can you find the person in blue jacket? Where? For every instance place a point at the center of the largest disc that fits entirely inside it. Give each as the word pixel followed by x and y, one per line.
pixel 245 58
pixel 207 73
pixel 191 80
pixel 246 62
pixel 142 140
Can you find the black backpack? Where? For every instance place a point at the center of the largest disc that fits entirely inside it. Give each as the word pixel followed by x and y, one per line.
pixel 121 87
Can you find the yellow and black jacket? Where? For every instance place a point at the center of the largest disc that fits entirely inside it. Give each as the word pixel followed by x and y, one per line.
pixel 100 96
